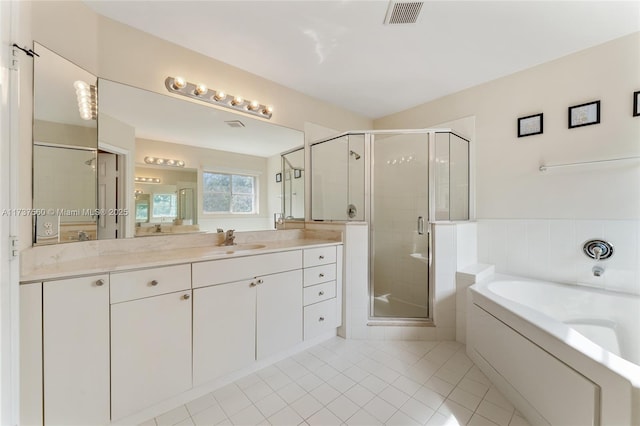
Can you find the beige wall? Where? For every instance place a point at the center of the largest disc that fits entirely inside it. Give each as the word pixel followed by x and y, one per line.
pixel 508 183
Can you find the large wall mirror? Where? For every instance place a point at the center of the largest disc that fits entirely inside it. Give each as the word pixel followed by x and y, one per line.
pixel 161 165
pixel 65 147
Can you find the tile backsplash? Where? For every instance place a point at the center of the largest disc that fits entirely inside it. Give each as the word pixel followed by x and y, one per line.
pixel 551 250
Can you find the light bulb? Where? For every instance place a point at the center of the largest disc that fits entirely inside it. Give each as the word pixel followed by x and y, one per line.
pixel 159 161
pixel 80 85
pixel 179 83
pixel 254 105
pixel 170 162
pixel 180 163
pixel 268 110
pixel 201 89
pixel 220 95
pixel 237 101
pixel 149 160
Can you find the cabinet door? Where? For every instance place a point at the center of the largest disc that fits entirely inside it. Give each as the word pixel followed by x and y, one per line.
pixel 150 351
pixel 224 329
pixel 76 351
pixel 279 312
pixel 31 354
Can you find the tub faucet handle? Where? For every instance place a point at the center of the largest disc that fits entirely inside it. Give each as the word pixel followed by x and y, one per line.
pixel 597 252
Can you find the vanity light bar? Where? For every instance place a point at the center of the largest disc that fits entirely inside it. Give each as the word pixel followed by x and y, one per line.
pixel 87 96
pixel 217 97
pixel 147 179
pixel 164 162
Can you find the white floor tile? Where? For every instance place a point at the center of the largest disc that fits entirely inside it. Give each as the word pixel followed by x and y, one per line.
pixel 306 406
pixel 344 408
pixel 495 413
pixel 374 384
pixel 210 416
pixel 394 396
pixel 417 410
pixel 291 392
pixel 286 417
pixel 271 405
pixel 248 417
pixel 325 393
pixel 380 409
pixel 172 417
pixel 359 394
pixel 349 382
pixel 401 419
pixel 363 418
pixel 324 417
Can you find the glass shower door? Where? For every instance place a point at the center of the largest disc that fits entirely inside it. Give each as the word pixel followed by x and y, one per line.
pixel 399 226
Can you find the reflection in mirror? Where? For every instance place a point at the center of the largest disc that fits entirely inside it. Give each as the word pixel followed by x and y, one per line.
pixel 64 150
pixel 293 184
pixel 213 144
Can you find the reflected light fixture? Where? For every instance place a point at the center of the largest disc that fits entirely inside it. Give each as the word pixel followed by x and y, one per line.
pixel 164 161
pixel 141 179
pixel 199 91
pixel 87 96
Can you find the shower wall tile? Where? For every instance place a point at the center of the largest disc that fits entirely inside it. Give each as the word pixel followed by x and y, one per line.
pixel 552 250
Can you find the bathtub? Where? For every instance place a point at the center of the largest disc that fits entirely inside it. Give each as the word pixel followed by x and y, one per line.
pixel 564 355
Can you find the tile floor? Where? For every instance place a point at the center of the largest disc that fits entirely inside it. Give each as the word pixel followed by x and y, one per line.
pixel 355 382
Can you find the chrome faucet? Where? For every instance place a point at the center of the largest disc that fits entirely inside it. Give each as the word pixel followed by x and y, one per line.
pixel 228 238
pixel 83 236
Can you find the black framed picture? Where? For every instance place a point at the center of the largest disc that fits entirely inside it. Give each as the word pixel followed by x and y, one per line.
pixel 584 114
pixel 297 173
pixel 530 125
pixel 278 177
pixel 636 103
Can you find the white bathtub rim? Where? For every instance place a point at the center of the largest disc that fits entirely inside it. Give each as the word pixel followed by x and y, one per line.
pixel 555 328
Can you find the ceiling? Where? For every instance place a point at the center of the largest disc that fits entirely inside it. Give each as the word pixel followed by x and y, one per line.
pixel 341 52
pixel 166 118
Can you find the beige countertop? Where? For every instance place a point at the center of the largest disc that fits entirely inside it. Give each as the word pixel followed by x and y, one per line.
pixel 146 259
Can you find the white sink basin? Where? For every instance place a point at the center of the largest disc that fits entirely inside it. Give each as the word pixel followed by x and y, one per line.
pixel 238 247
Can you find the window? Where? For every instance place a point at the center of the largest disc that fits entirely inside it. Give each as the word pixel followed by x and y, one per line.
pixel 227 193
pixel 164 205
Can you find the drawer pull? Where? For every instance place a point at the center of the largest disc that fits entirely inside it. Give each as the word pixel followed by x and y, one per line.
pixel 321 275
pixel 252 284
pixel 260 281
pixel 321 319
pixel 321 257
pixel 100 283
pixel 321 293
pixel 186 296
pixel 154 283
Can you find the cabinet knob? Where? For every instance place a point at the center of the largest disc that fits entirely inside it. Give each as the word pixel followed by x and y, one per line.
pixel 154 283
pixel 186 296
pixel 321 293
pixel 252 284
pixel 321 257
pixel 100 283
pixel 321 275
pixel 260 281
pixel 321 319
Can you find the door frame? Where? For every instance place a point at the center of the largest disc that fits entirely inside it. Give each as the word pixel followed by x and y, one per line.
pixel 125 197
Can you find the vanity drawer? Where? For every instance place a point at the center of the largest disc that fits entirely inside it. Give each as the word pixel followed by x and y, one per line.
pixel 242 268
pixel 319 274
pixel 319 318
pixel 319 256
pixel 149 282
pixel 319 292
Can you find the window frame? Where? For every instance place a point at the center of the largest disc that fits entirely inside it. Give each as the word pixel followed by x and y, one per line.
pixel 255 195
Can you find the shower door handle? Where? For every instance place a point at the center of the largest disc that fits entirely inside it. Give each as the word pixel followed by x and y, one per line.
pixel 420 225
pixel 429 245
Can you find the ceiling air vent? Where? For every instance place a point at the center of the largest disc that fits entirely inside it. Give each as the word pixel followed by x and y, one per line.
pixel 403 12
pixel 234 123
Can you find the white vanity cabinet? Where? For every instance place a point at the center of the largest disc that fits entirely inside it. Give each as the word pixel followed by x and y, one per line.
pixel 255 313
pixel 76 351
pixel 322 290
pixel 150 337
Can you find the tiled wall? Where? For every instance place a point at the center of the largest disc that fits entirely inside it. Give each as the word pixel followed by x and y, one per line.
pixel 552 250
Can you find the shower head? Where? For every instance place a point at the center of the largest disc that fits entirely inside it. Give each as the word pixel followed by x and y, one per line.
pixel 355 154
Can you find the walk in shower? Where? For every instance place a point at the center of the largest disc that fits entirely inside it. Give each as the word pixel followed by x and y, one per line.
pixel 400 182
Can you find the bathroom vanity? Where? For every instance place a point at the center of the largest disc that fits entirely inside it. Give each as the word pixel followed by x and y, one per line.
pixel 106 336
